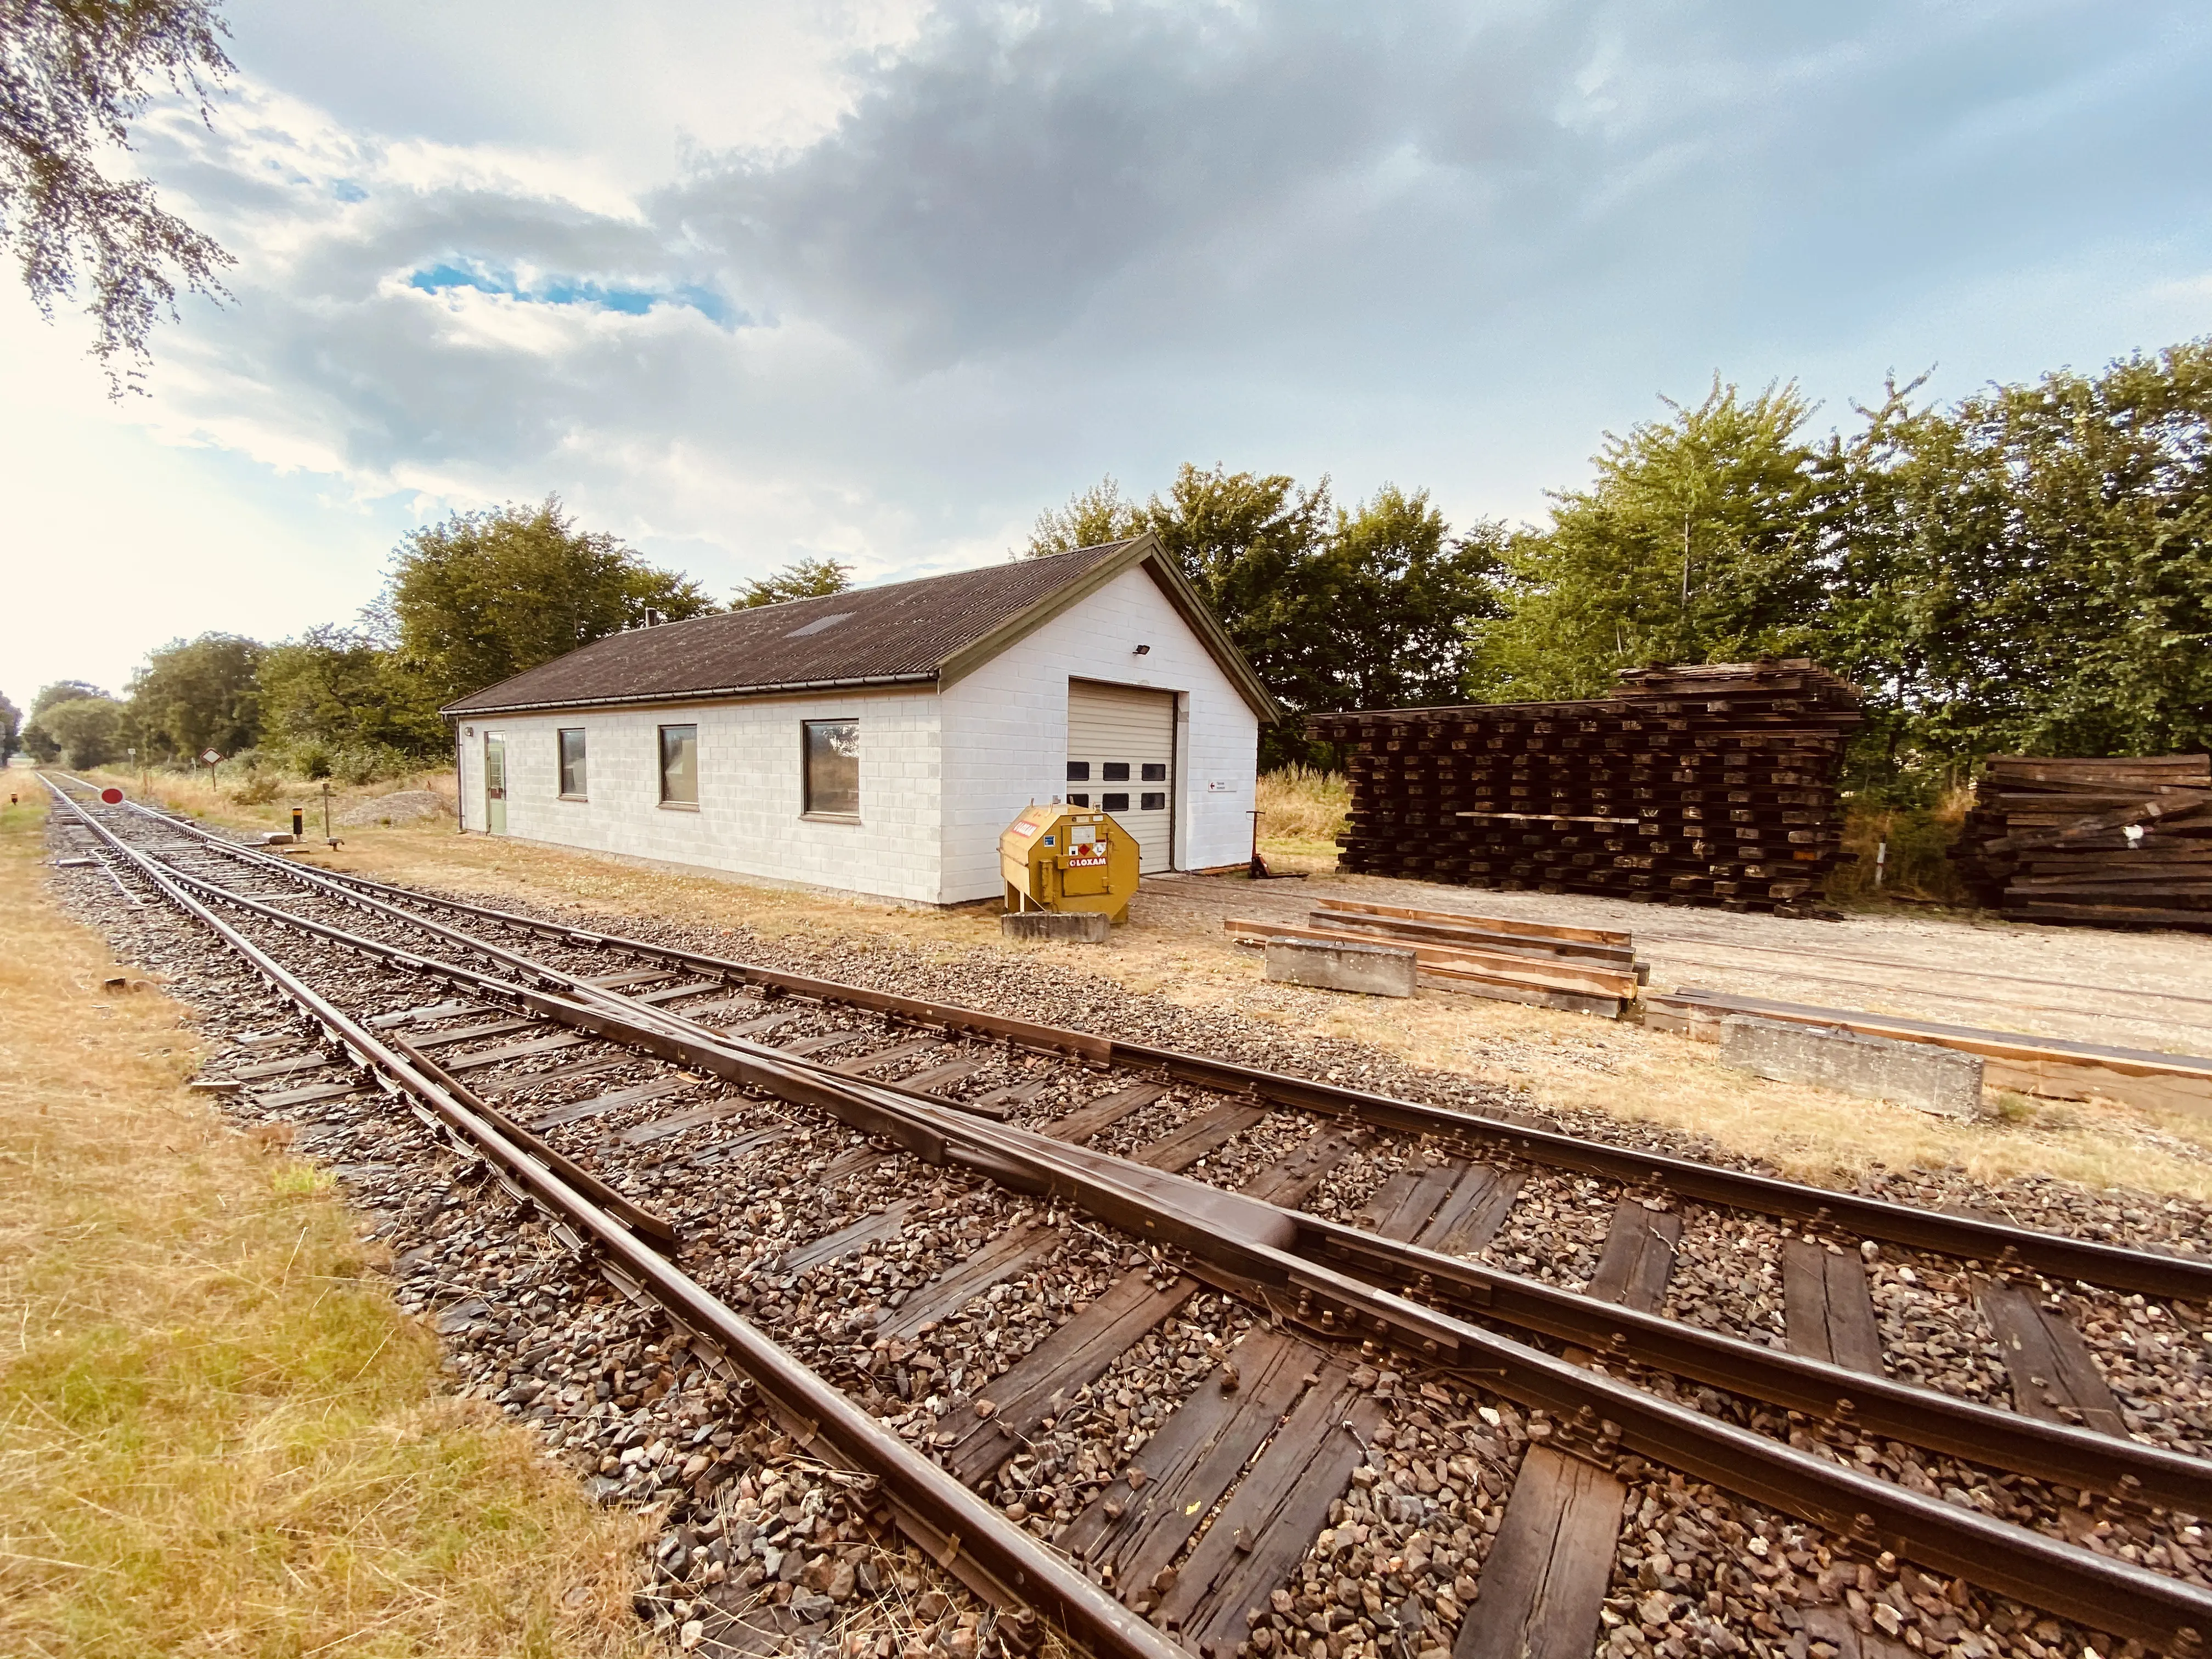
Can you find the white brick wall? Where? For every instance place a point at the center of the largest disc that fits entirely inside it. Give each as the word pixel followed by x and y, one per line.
pixel 1006 731
pixel 749 820
pixel 940 776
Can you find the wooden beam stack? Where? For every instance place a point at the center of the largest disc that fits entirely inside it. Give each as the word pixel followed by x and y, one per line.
pixel 1708 784
pixel 2123 842
pixel 1585 970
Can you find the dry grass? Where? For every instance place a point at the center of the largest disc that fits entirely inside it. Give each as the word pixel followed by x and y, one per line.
pixel 1301 814
pixel 217 1435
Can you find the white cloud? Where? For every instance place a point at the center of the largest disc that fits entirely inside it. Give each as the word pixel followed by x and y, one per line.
pixel 880 281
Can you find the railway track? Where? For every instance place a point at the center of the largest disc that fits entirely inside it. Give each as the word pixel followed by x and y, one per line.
pixel 1351 1423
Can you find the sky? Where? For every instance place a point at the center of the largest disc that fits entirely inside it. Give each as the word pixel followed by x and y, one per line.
pixel 744 282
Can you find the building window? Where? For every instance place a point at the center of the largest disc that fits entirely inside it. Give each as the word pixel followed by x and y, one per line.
pixel 572 764
pixel 679 766
pixel 1156 771
pixel 1114 771
pixel 1078 800
pixel 1154 800
pixel 1116 803
pixel 1078 771
pixel 833 769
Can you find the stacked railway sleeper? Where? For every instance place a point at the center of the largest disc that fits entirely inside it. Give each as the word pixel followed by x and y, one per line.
pixel 1153 1346
pixel 1712 784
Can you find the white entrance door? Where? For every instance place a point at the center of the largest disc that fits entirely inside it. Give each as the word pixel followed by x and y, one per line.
pixel 1122 759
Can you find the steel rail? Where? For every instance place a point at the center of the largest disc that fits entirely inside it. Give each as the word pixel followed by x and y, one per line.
pixel 968 1536
pixel 1987 1435
pixel 1967 1238
pixel 1242 1245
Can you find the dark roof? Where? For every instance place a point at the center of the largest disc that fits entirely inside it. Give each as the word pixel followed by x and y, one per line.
pixel 931 630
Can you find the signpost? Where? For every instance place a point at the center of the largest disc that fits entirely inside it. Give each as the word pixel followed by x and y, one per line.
pixel 208 758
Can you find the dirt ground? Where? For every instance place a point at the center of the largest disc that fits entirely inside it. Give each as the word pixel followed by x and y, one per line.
pixel 2152 990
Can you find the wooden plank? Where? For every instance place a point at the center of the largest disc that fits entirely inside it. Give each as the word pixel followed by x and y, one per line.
pixel 1290 1181
pixel 1209 1131
pixel 1010 1253
pixel 1545 1578
pixel 869 1229
pixel 1272 1368
pixel 660 1128
pixel 714 1151
pixel 1103 1112
pixel 291 1063
pixel 582 1068
pixel 1832 1624
pixel 1611 939
pixel 1270 1521
pixel 998 1103
pixel 310 1093
pixel 938 1079
pixel 1040 1383
pixel 860 1065
pixel 1404 1204
pixel 544 1045
pixel 1393 929
pixel 689 987
pixel 431 1041
pixel 1473 1211
pixel 1503 967
pixel 1638 1256
pixel 1827 1309
pixel 1183 1503
pixel 820 1043
pixel 2053 1376
pixel 576 1111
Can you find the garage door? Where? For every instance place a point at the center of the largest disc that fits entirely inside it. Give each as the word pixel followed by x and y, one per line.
pixel 1121 758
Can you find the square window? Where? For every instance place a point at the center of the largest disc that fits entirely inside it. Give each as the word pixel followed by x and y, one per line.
pixel 1156 771
pixel 1078 771
pixel 679 766
pixel 1154 800
pixel 833 767
pixel 1115 803
pixel 1115 772
pixel 572 762
pixel 1078 800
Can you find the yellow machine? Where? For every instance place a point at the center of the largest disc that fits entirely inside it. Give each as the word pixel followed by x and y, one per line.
pixel 1068 858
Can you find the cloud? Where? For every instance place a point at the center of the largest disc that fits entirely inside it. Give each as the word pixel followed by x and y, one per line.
pixel 980 256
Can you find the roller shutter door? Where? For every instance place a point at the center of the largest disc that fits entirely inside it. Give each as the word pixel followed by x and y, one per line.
pixel 1120 755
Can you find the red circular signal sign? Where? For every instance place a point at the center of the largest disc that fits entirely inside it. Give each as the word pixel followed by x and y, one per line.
pixel 111 795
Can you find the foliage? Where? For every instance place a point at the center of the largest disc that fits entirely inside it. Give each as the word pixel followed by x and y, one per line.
pixel 11 728
pixel 1698 541
pixel 87 731
pixel 1402 595
pixel 38 743
pixel 802 579
pixel 1091 518
pixel 74 74
pixel 2032 571
pixel 338 690
pixel 198 695
pixel 483 596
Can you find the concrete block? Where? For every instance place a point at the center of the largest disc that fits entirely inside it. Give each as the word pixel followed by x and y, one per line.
pixel 1065 926
pixel 1378 970
pixel 1941 1080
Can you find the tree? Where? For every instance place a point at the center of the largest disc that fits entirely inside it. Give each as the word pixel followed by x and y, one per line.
pixel 193 696
pixel 1700 540
pixel 11 728
pixel 90 730
pixel 1091 518
pixel 74 74
pixel 802 579
pixel 1402 595
pixel 36 739
pixel 486 595
pixel 341 688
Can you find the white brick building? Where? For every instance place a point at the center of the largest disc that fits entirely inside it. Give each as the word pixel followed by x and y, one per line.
pixel 878 741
